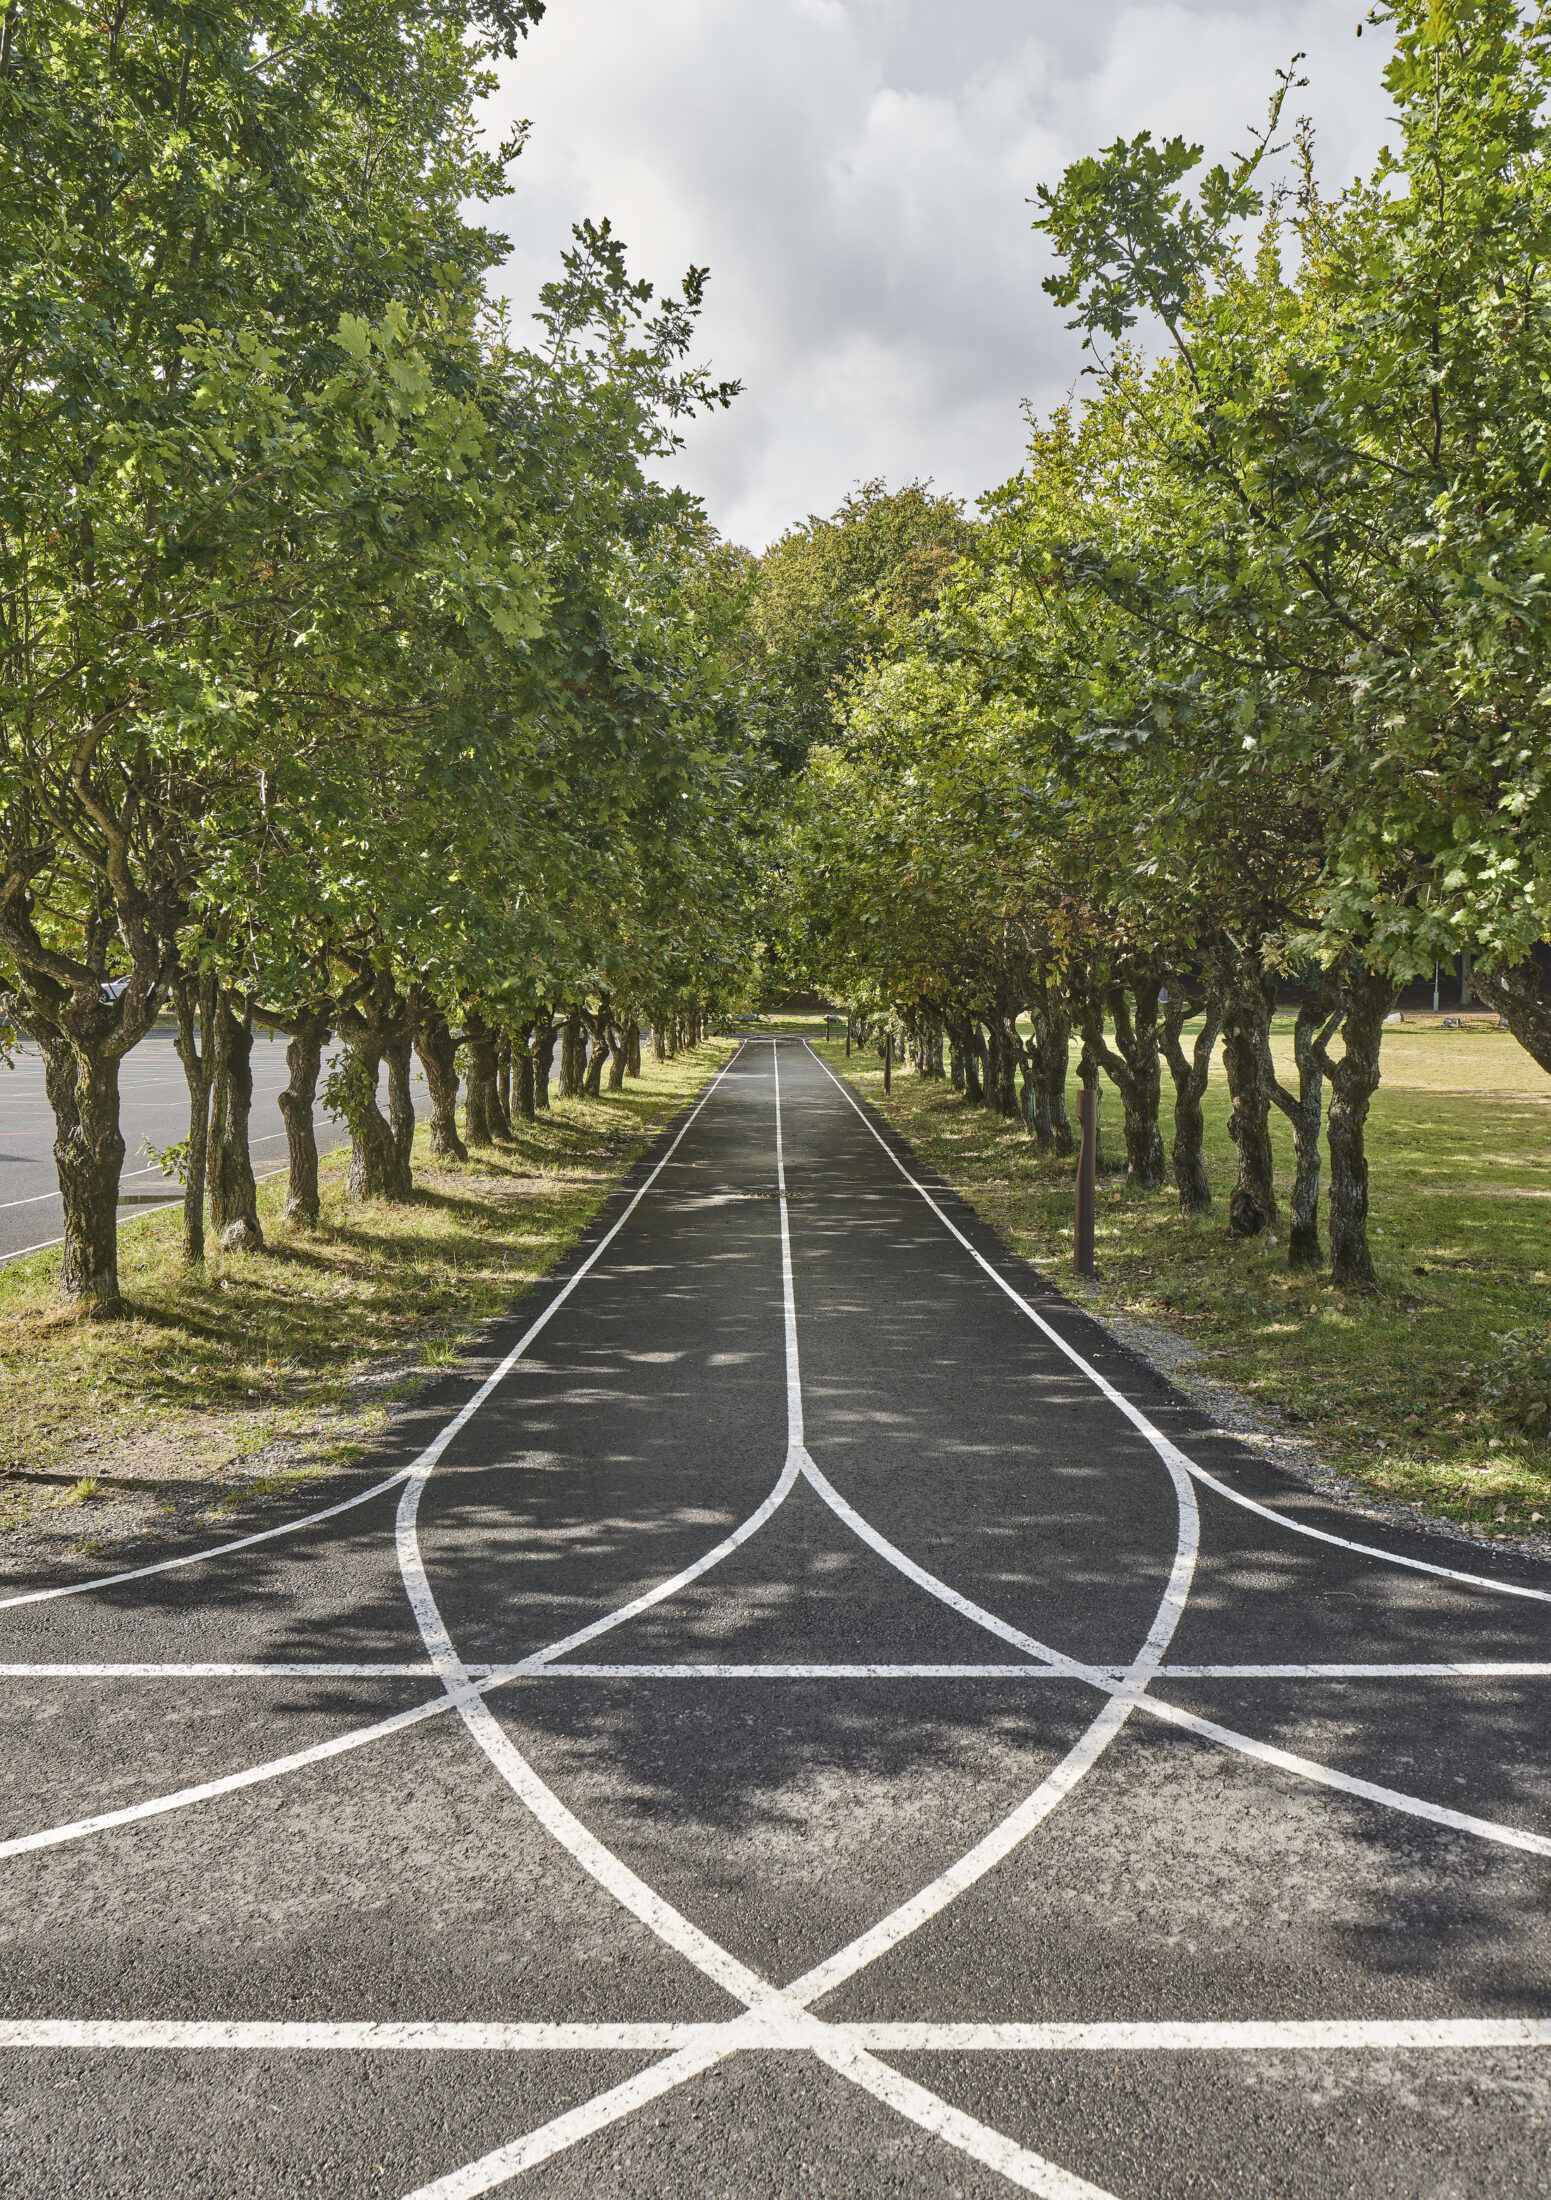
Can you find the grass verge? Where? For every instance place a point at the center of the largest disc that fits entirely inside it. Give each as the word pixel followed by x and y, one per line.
pixel 1385 1388
pixel 230 1387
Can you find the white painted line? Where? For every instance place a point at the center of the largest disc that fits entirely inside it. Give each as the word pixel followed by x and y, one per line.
pixel 216 1671
pixel 1453 1669
pixel 355 2039
pixel 1029 2172
pixel 1312 2035
pixel 134 1813
pixel 217 1550
pixel 783 2013
pixel 1319 2034
pixel 1004 1672
pixel 1139 1420
pixel 432 1452
pixel 1370 1550
pixel 575 2125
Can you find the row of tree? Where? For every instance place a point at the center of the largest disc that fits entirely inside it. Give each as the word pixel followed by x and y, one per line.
pixel 356 678
pixel 1244 680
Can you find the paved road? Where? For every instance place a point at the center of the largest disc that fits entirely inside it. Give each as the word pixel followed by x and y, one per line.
pixel 799 1726
pixel 154 1107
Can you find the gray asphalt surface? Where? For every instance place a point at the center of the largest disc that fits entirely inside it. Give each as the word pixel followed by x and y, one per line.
pixel 154 1106
pixel 708 1904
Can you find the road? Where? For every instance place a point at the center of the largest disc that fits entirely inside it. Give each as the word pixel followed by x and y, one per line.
pixel 153 1107
pixel 800 1713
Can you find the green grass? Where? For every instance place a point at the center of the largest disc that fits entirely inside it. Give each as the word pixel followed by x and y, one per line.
pixel 209 1369
pixel 1385 1387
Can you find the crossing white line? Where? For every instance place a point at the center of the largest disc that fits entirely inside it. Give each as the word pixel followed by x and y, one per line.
pixel 1210 1481
pixel 785 2011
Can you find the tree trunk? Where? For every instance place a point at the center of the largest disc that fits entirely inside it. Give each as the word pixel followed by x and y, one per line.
pixel 1190 1074
pixel 1050 1046
pixel 659 1038
pixel 1367 997
pixel 543 1047
pixel 298 1104
pixel 1248 1000
pixel 573 1055
pixel 633 1048
pixel 1316 1021
pixel 401 1105
pixel 1516 994
pixel 522 1079
pixel 1134 1068
pixel 82 1085
pixel 438 1052
pixel 194 1004
pixel 619 1055
pixel 503 1076
pixel 1088 1078
pixel 482 1099
pixel 378 1025
pixel 974 1089
pixel 233 1193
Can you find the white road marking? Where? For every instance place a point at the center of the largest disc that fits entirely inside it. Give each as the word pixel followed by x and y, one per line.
pixel 252 1776
pixel 1235 1497
pixel 1191 2036
pixel 214 1671
pixel 784 2010
pixel 575 2125
pixel 776 2019
pixel 432 1452
pixel 547 1665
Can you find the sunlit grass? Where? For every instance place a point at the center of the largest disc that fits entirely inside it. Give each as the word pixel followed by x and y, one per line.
pixel 1385 1386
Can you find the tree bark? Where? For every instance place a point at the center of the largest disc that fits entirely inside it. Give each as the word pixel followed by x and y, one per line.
pixel 1315 1022
pixel 1517 995
pixel 1050 1045
pixel 1367 997
pixel 543 1048
pixel 194 1005
pixel 298 1105
pixel 1134 1068
pixel 438 1052
pixel 482 1099
pixel 1190 1073
pixel 379 1160
pixel 401 1105
pixel 1249 997
pixel 522 1079
pixel 633 1047
pixel 82 1086
pixel 573 1058
pixel 233 1193
pixel 503 1076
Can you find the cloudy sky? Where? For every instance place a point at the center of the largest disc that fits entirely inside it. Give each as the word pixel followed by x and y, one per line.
pixel 854 173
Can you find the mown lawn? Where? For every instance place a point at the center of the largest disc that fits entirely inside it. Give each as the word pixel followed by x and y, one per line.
pixel 1387 1388
pixel 222 1388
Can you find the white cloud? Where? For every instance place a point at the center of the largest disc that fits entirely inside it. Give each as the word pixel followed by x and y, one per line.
pixel 854 173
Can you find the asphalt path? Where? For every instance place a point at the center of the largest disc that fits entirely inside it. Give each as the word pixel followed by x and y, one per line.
pixel 153 1110
pixel 801 1713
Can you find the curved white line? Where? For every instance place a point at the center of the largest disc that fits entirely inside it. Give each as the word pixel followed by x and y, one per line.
pixel 1181 1469
pixel 783 2009
pixel 54 1836
pixel 1370 1550
pixel 1139 1419
pixel 432 1452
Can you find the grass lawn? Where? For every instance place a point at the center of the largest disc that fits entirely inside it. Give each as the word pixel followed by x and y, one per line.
pixel 1386 1388
pixel 223 1388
